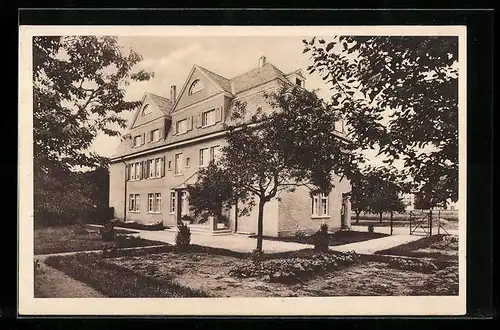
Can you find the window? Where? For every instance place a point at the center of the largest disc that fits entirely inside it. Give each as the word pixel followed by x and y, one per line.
pixel 157 167
pixel 151 166
pixel 155 135
pixel 214 153
pixel 204 157
pixel 196 86
pixel 151 202
pixel 187 161
pixel 137 171
pixel 298 82
pixel 208 118
pixel 178 164
pixel 146 110
pixel 169 165
pixel 181 126
pixel 137 140
pixel 320 205
pixel 134 202
pixel 339 125
pixel 172 202
pixel 158 202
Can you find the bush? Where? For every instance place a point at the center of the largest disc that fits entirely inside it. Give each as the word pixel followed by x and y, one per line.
pixel 300 235
pixel 187 218
pixel 443 282
pixel 183 237
pixel 422 266
pixel 295 269
pixel 257 255
pixel 370 228
pixel 321 239
pixel 37 267
pixel 108 231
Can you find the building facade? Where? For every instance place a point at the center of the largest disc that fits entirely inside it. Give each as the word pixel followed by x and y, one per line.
pixel 170 139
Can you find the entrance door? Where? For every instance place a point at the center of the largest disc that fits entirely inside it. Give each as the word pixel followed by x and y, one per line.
pixel 343 212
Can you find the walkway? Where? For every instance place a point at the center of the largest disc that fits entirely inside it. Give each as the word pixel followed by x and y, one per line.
pixel 241 243
pixel 52 283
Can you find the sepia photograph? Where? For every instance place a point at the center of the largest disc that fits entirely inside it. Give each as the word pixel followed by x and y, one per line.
pixel 227 170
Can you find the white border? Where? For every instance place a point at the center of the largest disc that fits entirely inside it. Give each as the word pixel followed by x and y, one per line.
pixel 329 306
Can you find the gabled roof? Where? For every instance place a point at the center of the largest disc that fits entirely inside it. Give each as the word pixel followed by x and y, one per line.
pixel 223 82
pixel 256 77
pixel 162 103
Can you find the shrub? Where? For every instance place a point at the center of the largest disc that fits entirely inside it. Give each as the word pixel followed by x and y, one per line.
pixel 183 237
pixel 108 231
pixel 257 255
pixel 443 282
pixel 445 242
pixel 300 235
pixel 370 228
pixel 80 228
pixel 321 239
pixel 135 225
pixel 37 267
pixel 187 218
pixel 423 266
pixel 294 269
pixel 110 251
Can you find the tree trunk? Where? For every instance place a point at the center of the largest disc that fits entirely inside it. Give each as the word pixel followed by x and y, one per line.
pixel 430 221
pixel 391 221
pixel 260 226
pixel 357 216
pixel 380 219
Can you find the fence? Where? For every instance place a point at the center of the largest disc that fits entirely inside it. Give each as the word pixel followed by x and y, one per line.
pixel 425 221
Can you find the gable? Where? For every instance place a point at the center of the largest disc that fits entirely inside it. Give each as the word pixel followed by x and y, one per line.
pixel 204 88
pixel 148 111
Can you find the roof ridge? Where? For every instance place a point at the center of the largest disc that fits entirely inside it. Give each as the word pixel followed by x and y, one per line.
pixel 163 97
pixel 255 69
pixel 210 71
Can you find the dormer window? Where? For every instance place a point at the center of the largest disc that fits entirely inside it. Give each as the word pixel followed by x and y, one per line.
pixel 298 82
pixel 146 110
pixel 196 86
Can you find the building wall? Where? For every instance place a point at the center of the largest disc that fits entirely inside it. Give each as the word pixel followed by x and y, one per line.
pixel 116 188
pixel 248 224
pixel 295 210
pixel 208 90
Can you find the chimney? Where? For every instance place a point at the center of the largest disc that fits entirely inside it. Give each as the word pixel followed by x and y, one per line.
pixel 262 61
pixel 173 93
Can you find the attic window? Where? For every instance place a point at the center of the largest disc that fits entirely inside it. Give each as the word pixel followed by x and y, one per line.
pixel 146 110
pixel 298 82
pixel 196 86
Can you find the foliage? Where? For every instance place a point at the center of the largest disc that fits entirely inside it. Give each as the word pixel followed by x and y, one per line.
pixel 275 151
pixel 78 92
pixel 187 218
pixel 321 239
pixel 423 266
pixel 300 235
pixel 400 96
pixel 293 270
pixel 108 231
pixel 370 228
pixel 183 237
pixel 37 267
pixel 444 282
pixel 257 255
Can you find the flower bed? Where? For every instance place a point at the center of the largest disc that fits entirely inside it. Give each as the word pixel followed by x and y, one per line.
pixel 423 266
pixel 141 226
pixel 443 282
pixel 294 269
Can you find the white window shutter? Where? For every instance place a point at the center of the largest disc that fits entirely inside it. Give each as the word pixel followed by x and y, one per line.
pixel 218 114
pixel 189 123
pixel 162 166
pixel 161 133
pixel 174 127
pixel 143 138
pixel 198 120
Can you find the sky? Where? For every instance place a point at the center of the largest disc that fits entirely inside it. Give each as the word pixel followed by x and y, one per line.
pixel 172 58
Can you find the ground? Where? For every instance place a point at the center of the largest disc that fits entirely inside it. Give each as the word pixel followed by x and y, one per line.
pixel 70 238
pixel 443 247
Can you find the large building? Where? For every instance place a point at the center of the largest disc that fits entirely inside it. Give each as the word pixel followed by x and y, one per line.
pixel 170 139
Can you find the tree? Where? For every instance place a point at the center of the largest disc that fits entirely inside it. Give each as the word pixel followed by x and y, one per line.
pixel 400 95
pixel 78 91
pixel 361 192
pixel 269 152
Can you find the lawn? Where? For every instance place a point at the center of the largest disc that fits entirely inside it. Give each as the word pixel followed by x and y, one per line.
pixel 70 238
pixel 443 247
pixel 199 274
pixel 337 238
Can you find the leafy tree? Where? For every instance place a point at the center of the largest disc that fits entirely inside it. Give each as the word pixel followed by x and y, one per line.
pixel 361 192
pixel 292 145
pixel 78 91
pixel 400 95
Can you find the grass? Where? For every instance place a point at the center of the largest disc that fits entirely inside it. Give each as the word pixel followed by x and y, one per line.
pixel 337 238
pixel 205 272
pixel 435 247
pixel 70 238
pixel 115 281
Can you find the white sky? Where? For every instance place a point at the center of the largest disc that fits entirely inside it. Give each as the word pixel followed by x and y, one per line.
pixel 171 59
